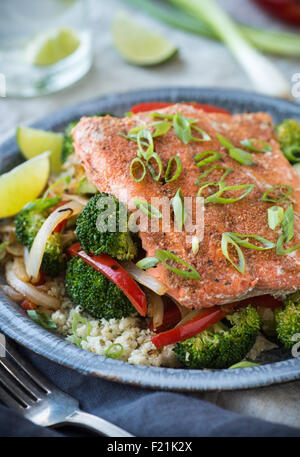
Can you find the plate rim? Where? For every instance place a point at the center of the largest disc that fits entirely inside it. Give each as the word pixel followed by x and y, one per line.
pixel 15 324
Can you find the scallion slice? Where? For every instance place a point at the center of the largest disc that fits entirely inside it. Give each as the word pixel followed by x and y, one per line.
pixel 146 208
pixel 205 135
pixel 178 208
pixel 266 198
pixel 165 256
pixel 78 319
pixel 241 239
pixel 279 247
pixel 177 171
pixel 161 128
pixel 195 245
pixel 155 175
pixel 288 224
pixel 240 156
pixel 207 157
pixel 136 164
pixel 147 152
pixel 226 240
pixel 275 216
pixel 217 197
pixel 224 141
pixel 250 145
pixel 110 352
pixel 182 128
pixel 147 262
pixel 41 318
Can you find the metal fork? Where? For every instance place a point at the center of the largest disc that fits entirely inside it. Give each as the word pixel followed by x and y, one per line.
pixel 23 388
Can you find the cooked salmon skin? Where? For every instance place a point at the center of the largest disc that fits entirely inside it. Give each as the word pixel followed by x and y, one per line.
pixel 106 157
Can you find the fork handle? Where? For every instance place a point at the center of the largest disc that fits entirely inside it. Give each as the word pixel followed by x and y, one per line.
pixel 96 424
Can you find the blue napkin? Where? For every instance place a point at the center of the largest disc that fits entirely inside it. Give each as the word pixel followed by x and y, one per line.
pixel 141 412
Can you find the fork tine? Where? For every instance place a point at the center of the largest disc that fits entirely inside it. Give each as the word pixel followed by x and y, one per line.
pixel 37 377
pixel 16 373
pixel 9 401
pixel 13 388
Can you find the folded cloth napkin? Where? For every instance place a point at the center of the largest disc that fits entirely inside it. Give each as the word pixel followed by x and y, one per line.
pixel 141 412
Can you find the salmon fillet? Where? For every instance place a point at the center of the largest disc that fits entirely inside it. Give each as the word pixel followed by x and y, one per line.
pixel 106 157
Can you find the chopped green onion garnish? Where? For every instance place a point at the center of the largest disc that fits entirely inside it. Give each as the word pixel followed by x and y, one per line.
pixel 42 204
pixel 244 364
pixel 205 185
pixel 165 256
pixel 66 180
pixel 266 198
pixel 195 245
pixel 211 156
pixel 146 208
pixel 128 114
pixel 182 128
pixel 78 319
pixel 162 115
pixel 110 352
pixel 210 170
pixel 178 208
pixel 136 164
pixel 275 216
pixel 242 157
pixel 226 240
pixel 147 262
pixel 288 224
pixel 156 158
pixel 41 318
pixel 250 145
pixel 205 135
pixel 142 152
pixel 160 128
pixel 217 197
pixel 178 169
pixel 241 239
pixel 224 141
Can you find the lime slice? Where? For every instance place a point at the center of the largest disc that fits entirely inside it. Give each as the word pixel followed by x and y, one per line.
pixel 139 45
pixel 23 184
pixel 51 46
pixel 33 142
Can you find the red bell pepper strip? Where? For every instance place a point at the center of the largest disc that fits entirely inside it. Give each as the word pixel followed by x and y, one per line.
pixel 27 305
pixel 198 324
pixel 287 10
pixel 152 106
pixel 115 273
pixel 172 316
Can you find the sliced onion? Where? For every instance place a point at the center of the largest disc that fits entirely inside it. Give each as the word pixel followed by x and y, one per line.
pixel 144 278
pixel 76 198
pixel 37 250
pixel 29 291
pixel 189 316
pixel 155 308
pixel 16 249
pixel 12 293
pixel 19 269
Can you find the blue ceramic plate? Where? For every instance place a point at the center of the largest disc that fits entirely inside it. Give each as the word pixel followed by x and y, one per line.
pixel 276 368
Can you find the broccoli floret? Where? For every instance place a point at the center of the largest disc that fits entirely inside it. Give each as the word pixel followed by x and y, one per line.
pixel 98 236
pixel 28 222
pixel 100 297
pixel 268 323
pixel 288 320
pixel 288 134
pixel 221 346
pixel 68 147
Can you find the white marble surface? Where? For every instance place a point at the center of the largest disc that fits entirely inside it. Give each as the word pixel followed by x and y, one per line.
pixel 200 62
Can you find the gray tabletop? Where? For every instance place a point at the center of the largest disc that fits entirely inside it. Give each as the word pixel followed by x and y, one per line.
pixel 200 62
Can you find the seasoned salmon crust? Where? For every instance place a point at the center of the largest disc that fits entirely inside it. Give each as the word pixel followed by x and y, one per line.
pixel 106 157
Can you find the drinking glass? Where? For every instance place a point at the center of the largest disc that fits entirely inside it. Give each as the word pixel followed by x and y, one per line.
pixel 26 25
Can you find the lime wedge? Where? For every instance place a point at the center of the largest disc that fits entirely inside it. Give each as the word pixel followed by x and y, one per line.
pixel 33 142
pixel 137 44
pixel 51 46
pixel 23 184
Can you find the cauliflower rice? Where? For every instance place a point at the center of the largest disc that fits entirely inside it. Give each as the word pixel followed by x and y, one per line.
pixel 131 332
